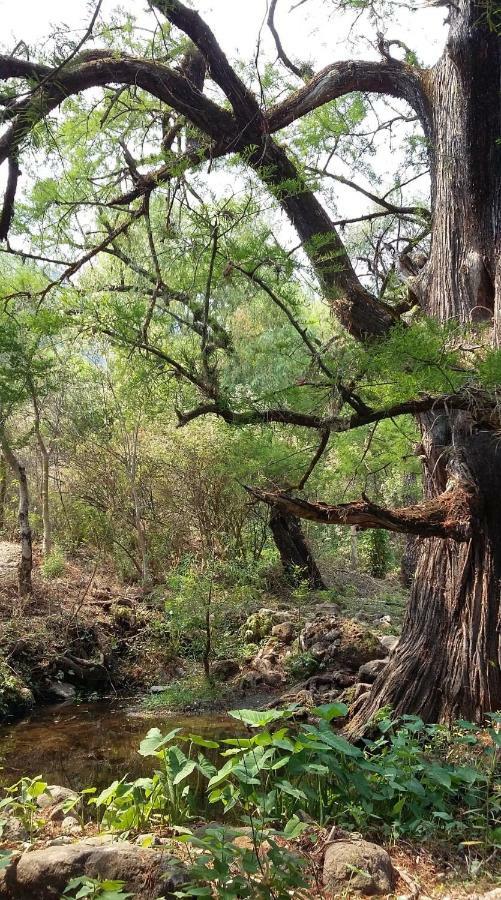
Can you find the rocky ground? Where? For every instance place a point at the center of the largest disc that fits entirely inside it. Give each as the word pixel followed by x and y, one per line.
pixel 340 865
pixel 78 634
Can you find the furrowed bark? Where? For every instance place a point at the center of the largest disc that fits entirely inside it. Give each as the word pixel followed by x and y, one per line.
pixel 449 515
pixel 297 559
pixel 448 661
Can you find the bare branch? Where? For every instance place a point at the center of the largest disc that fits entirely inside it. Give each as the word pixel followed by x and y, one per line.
pixel 301 72
pixel 9 198
pixel 324 440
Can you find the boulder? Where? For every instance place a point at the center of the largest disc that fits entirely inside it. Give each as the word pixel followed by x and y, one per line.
pixel 389 642
pixel 340 643
pixel 14 830
pixel 60 690
pixel 224 669
pixel 284 632
pixel 45 873
pixel 359 866
pixel 260 623
pixel 370 670
pixel 71 826
pixel 55 794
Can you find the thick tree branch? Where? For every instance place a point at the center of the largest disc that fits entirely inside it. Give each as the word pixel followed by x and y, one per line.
pixel 242 100
pixel 101 68
pixel 355 307
pixel 390 77
pixel 9 198
pixel 448 516
pixel 338 424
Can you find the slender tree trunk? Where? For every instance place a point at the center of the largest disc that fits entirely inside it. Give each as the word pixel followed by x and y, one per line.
pixel 295 553
pixel 354 548
pixel 26 565
pixel 44 492
pixel 47 534
pixel 3 490
pixel 448 661
pixel 141 537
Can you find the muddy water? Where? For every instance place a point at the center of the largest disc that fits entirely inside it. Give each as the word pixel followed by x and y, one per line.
pixel 91 744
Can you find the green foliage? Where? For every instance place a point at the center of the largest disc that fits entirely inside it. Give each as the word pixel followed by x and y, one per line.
pixel 411 780
pixel 190 692
pixel 301 665
pixel 54 564
pixel 104 889
pixel 20 801
pixel 378 552
pixel 225 870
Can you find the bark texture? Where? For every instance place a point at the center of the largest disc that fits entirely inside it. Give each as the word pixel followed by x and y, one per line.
pixel 447 663
pixel 297 558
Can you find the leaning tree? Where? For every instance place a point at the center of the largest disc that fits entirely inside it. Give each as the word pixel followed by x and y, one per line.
pixel 447 662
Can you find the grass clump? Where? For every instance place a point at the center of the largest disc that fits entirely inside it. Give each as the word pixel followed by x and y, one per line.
pixel 54 564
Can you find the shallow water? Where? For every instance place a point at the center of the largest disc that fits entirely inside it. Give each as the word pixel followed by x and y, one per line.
pixel 91 744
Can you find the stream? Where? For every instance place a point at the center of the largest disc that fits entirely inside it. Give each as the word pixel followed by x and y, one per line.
pixel 91 744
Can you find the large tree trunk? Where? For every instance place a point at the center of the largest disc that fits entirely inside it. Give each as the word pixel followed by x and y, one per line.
pixel 447 663
pixel 26 564
pixel 296 556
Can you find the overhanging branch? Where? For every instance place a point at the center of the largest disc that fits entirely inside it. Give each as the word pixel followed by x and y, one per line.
pixel 448 516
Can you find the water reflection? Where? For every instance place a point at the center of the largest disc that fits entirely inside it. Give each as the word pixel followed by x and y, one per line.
pixel 91 743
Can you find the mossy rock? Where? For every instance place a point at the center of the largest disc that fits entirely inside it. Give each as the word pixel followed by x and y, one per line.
pixel 357 645
pixel 258 626
pixel 15 695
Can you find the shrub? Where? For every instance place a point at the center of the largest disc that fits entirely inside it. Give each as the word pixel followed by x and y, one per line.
pixel 54 564
pixel 301 665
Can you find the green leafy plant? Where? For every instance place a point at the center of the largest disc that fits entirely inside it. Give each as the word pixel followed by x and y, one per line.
pixel 104 889
pixel 20 802
pixel 264 869
pixel 301 665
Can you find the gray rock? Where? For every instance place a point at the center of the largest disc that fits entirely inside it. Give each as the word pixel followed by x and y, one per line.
pixel 158 688
pixel 45 873
pixel 14 830
pixel 61 690
pixel 358 866
pixel 370 670
pixel 61 841
pixel 318 650
pixel 389 642
pixel 70 825
pixel 55 793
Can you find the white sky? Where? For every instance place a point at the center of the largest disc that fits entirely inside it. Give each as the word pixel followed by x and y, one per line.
pixel 237 23
pixel 313 32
